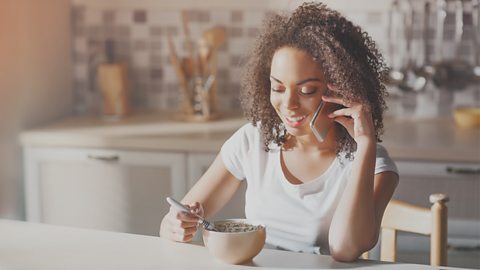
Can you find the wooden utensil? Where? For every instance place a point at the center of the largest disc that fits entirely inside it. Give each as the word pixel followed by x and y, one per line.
pixel 189 43
pixel 215 36
pixel 204 51
pixel 186 100
pixel 188 67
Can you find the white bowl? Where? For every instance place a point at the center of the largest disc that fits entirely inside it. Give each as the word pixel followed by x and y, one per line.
pixel 235 247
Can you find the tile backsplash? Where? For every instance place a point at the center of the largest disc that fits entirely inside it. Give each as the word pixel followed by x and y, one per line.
pixel 139 36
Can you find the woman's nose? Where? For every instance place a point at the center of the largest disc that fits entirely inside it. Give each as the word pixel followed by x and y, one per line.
pixel 290 100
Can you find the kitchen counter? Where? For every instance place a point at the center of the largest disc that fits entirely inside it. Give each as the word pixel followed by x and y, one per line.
pixel 428 139
pixel 39 246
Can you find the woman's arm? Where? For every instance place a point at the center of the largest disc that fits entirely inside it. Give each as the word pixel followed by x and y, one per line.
pixel 356 223
pixel 211 192
pixel 214 189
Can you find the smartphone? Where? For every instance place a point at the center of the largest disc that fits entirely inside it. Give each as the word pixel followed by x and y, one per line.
pixel 321 123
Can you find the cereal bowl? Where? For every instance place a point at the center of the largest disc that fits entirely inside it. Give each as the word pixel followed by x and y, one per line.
pixel 236 240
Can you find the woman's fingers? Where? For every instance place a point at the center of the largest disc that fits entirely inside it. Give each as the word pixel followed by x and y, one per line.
pixel 183 216
pixel 181 230
pixel 182 234
pixel 196 208
pixel 336 100
pixel 344 121
pixel 349 112
pixel 182 226
pixel 189 228
pixel 182 237
pixel 332 87
pixel 355 117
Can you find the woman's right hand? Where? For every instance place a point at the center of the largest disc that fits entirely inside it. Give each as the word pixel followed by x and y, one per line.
pixel 180 226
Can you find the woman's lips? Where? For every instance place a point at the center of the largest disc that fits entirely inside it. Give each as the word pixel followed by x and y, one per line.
pixel 295 121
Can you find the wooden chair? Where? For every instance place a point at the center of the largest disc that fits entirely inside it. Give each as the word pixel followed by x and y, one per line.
pixel 401 216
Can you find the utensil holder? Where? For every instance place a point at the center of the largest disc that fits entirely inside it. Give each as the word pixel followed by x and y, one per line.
pixel 203 99
pixel 112 80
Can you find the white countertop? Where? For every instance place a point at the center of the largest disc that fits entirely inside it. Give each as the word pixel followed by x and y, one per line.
pixel 428 139
pixel 47 247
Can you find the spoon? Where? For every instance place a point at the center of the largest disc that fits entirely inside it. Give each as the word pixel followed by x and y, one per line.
pixel 182 208
pixel 476 40
pixel 411 81
pixel 454 74
pixel 426 71
pixel 395 76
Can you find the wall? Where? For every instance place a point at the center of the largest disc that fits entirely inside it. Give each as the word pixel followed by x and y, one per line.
pixel 35 82
pixel 139 30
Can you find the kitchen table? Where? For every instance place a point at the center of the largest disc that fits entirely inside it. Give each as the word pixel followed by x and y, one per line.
pixel 37 246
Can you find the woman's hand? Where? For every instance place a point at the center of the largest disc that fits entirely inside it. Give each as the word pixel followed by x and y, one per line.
pixel 180 226
pixel 355 117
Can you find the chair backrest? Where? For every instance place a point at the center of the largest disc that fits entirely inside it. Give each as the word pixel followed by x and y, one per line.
pixel 401 216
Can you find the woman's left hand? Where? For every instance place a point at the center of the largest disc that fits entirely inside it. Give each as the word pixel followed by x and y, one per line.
pixel 355 117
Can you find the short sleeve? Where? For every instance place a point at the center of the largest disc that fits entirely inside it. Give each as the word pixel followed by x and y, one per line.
pixel 383 161
pixel 235 150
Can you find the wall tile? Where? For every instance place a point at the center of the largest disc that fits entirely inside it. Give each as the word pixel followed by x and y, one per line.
pixel 92 16
pixel 236 16
pixel 108 16
pixel 140 41
pixel 139 16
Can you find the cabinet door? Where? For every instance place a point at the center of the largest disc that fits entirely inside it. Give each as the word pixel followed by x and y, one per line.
pixel 120 191
pixel 197 165
pixel 460 181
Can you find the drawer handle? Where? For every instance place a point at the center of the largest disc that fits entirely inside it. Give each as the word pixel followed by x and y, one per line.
pixel 111 158
pixel 467 171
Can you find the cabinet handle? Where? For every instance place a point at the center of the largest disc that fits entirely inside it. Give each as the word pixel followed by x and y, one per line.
pixel 111 158
pixel 468 171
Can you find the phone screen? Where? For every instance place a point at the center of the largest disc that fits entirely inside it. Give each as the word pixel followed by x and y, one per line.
pixel 321 123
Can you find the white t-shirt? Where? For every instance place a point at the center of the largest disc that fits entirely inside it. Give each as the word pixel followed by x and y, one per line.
pixel 297 217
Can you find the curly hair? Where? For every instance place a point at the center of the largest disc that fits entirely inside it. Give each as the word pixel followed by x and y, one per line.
pixel 348 56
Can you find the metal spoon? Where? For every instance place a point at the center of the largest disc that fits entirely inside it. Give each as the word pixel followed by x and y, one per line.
pixel 426 71
pixel 476 40
pixel 395 76
pixel 180 207
pixel 410 82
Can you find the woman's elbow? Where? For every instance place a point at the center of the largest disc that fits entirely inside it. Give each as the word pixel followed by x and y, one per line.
pixel 350 252
pixel 344 256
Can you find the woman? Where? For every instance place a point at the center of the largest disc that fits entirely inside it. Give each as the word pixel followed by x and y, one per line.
pixel 321 196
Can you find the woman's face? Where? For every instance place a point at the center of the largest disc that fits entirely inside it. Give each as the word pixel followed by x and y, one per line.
pixel 297 86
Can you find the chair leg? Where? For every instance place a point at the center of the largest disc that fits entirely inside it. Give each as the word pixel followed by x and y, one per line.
pixel 364 255
pixel 388 248
pixel 438 239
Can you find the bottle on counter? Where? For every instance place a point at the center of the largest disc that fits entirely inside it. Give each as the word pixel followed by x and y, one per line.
pixel 112 79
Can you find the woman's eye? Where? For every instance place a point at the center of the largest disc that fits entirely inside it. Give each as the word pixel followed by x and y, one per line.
pixel 276 89
pixel 307 91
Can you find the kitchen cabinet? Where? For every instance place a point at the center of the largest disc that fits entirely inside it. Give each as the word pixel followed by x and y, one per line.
pixel 114 190
pixel 460 180
pixel 103 189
